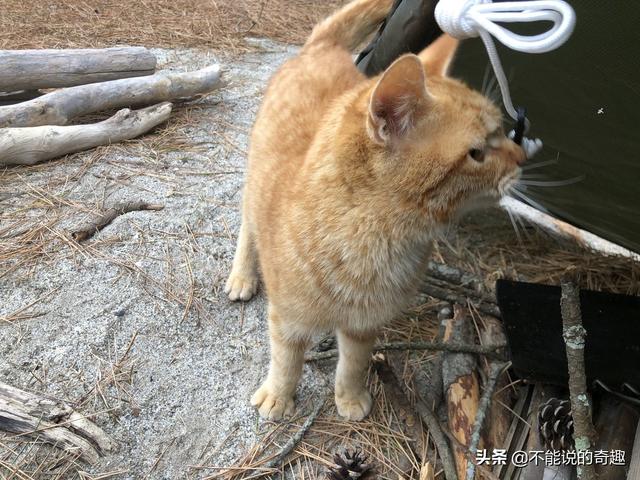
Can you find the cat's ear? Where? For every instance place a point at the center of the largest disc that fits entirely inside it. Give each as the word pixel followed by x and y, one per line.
pixel 438 55
pixel 396 100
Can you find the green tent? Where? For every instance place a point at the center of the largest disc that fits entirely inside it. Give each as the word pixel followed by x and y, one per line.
pixel 583 101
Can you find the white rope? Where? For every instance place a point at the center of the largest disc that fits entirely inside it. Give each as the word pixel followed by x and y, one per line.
pixel 476 18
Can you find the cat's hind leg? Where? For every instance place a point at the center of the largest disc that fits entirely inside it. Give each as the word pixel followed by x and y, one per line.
pixel 274 398
pixel 353 400
pixel 242 283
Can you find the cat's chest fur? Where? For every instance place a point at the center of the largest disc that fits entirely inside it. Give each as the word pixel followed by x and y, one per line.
pixel 357 266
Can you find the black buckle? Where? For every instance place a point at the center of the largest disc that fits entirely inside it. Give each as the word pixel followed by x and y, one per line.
pixel 519 129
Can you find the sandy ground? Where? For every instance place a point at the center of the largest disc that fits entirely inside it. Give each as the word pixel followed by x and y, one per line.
pixel 195 358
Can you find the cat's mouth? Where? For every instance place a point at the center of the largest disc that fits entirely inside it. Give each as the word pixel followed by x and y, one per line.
pixel 507 182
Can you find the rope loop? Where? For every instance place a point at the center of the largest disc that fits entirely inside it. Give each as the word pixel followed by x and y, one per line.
pixel 479 18
pixel 467 18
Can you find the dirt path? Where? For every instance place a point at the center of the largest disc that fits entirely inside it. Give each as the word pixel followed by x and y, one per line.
pixel 155 277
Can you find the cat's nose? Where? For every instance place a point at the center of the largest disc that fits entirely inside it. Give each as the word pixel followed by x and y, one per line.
pixel 517 153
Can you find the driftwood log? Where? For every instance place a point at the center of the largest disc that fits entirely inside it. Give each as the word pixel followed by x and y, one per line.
pixel 498 414
pixel 50 420
pixel 29 145
pixel 461 387
pixel 33 69
pixel 564 230
pixel 61 106
pixel 495 370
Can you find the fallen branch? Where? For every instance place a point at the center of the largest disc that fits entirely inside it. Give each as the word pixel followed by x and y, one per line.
pixel 490 386
pixel 443 290
pixel 574 337
pixel 88 231
pixel 428 382
pixel 461 387
pixel 565 230
pixel 491 351
pixel 33 69
pixel 396 396
pixel 30 145
pixel 288 447
pixel 498 416
pixel 437 436
pixel 60 106
pixel 25 413
pixel 453 275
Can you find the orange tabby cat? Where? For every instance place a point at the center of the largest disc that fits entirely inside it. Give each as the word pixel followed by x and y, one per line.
pixel 348 179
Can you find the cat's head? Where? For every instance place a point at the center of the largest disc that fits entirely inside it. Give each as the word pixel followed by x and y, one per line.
pixel 434 139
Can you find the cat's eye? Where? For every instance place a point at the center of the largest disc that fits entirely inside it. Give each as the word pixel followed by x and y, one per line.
pixel 477 154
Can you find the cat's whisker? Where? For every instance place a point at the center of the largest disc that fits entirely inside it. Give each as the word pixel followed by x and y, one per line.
pixel 521 221
pixel 529 200
pixel 552 183
pixel 531 176
pixel 515 227
pixel 533 166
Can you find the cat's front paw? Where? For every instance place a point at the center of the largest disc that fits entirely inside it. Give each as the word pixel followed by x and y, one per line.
pixel 241 286
pixel 354 405
pixel 270 405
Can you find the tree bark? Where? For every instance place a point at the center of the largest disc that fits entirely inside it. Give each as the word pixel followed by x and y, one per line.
pixel 29 145
pixel 574 337
pixel 33 69
pixel 25 413
pixel 498 414
pixel 461 387
pixel 59 107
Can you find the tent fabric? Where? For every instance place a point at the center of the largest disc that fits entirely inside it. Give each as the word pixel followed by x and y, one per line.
pixel 583 101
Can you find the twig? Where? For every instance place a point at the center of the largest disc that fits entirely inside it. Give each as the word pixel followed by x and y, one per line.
pixel 435 431
pixel 296 438
pixel 444 291
pixel 496 369
pixel 491 351
pixel 393 391
pixel 454 275
pixel 109 216
pixel 574 337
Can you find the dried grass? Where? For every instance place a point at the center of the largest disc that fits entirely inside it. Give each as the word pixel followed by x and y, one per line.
pixel 27 457
pixel 22 459
pixel 379 437
pixel 221 25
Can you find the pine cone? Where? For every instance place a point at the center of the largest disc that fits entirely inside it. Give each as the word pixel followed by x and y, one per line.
pixel 351 466
pixel 556 424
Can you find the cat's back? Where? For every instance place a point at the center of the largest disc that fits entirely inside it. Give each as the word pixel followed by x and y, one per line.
pixel 296 100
